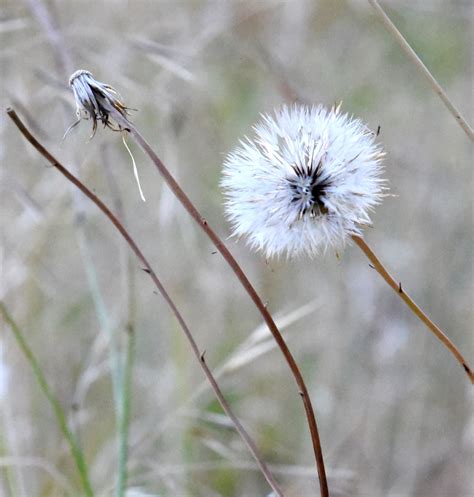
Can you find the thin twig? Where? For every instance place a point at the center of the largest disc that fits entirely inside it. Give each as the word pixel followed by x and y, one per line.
pixel 397 287
pixel 149 270
pixel 422 68
pixel 229 258
pixel 58 410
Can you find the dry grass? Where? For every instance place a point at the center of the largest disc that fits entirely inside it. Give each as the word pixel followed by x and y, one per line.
pixel 393 408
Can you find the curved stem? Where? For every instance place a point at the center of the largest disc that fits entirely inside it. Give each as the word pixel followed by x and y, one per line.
pixel 234 265
pixel 397 287
pixel 149 270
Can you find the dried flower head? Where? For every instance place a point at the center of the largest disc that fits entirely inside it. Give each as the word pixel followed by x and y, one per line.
pixel 95 100
pixel 306 182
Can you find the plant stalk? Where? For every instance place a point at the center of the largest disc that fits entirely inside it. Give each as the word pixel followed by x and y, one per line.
pixel 397 287
pixel 149 270
pixel 234 265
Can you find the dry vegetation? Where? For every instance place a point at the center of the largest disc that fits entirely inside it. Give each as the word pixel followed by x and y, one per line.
pixel 394 410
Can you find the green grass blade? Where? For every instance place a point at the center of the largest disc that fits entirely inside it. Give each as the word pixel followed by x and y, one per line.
pixel 54 402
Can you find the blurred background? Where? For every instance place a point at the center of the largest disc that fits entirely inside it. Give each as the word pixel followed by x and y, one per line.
pixel 394 408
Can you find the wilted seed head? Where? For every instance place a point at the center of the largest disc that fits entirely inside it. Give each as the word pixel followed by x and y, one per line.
pixel 306 181
pixel 95 100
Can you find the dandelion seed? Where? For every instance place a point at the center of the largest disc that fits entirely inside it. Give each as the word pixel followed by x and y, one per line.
pixel 307 181
pixel 135 169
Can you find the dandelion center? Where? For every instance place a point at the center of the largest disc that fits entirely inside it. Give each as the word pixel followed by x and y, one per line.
pixel 308 189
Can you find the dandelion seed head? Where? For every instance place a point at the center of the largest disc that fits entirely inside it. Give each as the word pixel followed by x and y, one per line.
pixel 95 100
pixel 305 182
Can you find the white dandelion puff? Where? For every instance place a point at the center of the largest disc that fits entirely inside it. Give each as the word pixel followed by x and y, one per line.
pixel 307 181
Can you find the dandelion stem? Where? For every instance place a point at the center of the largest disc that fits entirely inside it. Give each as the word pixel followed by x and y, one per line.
pixel 229 258
pixel 397 287
pixel 53 401
pixel 146 265
pixel 387 22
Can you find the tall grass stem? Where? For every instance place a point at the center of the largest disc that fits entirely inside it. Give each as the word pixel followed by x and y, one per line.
pixel 76 451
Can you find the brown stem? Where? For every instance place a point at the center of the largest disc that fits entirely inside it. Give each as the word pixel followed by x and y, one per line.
pixel 229 258
pixel 397 287
pixel 148 269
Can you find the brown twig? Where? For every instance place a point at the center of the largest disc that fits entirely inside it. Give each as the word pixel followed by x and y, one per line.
pixel 229 258
pixel 397 287
pixel 422 68
pixel 149 270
